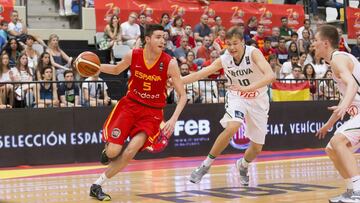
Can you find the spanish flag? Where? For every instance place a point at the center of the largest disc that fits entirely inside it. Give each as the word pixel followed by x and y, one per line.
pixel 290 91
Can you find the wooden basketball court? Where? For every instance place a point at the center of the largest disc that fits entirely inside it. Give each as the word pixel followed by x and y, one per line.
pixel 275 177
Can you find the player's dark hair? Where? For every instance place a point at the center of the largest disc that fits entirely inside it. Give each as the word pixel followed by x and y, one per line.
pixel 234 31
pixel 151 28
pixel 330 33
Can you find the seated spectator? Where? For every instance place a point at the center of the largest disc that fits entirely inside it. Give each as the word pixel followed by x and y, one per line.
pixel 177 30
pixel 180 52
pixel 13 49
pixel 304 42
pixel 165 21
pixel 192 89
pixel 287 67
pixel 59 59
pixel 46 92
pixel 266 50
pixel 217 27
pixel 251 27
pixel 169 46
pixel 343 45
pixel 43 62
pixel 69 91
pixel 309 74
pixel 31 53
pixel 4 25
pixel 203 53
pixel 328 89
pixel 202 29
pixel 219 42
pixel 356 49
pixel 189 34
pixel 293 49
pixel 302 58
pixel 95 93
pixel 285 30
pixel 273 61
pixel 16 28
pixel 190 57
pixel 296 73
pixel 281 51
pixel 259 36
pixel 22 73
pixel 130 31
pixel 213 56
pixel 294 38
pixel 111 36
pixel 6 90
pixel 275 37
pixel 307 27
pixel 320 66
pixel 311 54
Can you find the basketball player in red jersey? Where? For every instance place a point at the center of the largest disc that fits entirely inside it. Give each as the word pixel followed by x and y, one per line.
pixel 140 112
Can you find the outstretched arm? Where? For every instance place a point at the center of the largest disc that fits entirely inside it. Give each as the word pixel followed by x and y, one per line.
pixel 174 73
pixel 206 71
pixel 264 67
pixel 118 68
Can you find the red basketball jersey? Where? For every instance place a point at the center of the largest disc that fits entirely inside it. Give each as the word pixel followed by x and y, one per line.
pixel 147 83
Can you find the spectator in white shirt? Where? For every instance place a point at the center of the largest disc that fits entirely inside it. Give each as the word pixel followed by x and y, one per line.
pixel 16 28
pixel 130 31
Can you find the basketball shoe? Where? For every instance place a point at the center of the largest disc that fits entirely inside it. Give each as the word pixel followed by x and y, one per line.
pixel 354 198
pixel 198 173
pixel 244 176
pixel 339 198
pixel 96 192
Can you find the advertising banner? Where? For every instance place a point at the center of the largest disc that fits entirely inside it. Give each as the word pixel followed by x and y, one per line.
pixel 231 13
pixel 353 22
pixel 6 6
pixel 69 135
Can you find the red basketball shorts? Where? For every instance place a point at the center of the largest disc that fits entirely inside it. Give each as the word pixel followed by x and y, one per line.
pixel 129 118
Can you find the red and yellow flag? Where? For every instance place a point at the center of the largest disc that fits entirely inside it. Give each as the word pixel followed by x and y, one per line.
pixel 290 91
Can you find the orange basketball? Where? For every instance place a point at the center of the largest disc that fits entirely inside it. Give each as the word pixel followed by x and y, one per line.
pixel 87 64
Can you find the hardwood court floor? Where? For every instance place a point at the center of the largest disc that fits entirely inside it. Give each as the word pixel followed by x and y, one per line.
pixel 307 177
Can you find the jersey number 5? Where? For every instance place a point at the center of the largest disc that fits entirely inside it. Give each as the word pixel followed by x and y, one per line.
pixel 147 86
pixel 244 82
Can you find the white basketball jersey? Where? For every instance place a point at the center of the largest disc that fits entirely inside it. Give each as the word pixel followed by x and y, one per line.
pixel 242 74
pixel 355 74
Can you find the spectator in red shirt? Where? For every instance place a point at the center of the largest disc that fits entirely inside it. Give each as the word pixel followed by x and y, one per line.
pixel 267 50
pixel 219 42
pixel 203 53
pixel 213 56
pixel 189 34
pixel 190 57
pixel 259 36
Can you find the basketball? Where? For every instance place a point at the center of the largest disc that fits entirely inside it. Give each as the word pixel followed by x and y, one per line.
pixel 87 64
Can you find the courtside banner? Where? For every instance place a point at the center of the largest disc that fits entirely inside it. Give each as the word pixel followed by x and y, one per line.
pixel 353 22
pixel 6 6
pixel 71 135
pixel 232 13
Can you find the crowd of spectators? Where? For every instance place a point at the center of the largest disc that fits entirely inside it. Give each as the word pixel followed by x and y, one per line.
pixel 38 74
pixel 289 52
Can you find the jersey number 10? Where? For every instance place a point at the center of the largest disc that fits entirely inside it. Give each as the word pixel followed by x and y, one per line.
pixel 244 82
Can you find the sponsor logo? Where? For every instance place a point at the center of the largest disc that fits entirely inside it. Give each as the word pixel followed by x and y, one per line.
pixel 115 133
pixel 145 95
pixel 239 114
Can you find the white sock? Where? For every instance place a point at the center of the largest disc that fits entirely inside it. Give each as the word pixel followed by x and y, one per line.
pixel 208 161
pixel 349 184
pixel 244 163
pixel 356 183
pixel 101 180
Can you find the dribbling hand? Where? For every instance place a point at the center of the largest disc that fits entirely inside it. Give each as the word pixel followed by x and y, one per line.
pixel 169 127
